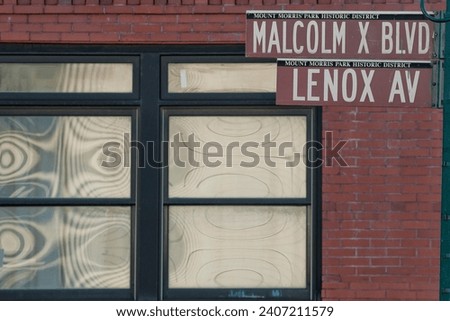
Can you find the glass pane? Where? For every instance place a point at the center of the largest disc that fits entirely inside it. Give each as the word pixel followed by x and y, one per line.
pixel 63 156
pixel 237 247
pixel 237 156
pixel 222 77
pixel 65 247
pixel 66 77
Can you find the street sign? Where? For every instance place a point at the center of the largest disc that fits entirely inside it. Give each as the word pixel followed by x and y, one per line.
pixel 354 82
pixel 343 35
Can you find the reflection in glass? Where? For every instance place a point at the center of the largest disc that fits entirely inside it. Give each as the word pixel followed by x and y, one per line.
pixel 237 156
pixel 222 77
pixel 48 156
pixel 237 247
pixel 65 247
pixel 66 77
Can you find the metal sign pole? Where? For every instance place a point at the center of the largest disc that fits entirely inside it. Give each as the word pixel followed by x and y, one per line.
pixel 445 210
pixel 444 290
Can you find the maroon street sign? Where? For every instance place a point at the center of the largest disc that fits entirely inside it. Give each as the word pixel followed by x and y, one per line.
pixel 339 35
pixel 354 82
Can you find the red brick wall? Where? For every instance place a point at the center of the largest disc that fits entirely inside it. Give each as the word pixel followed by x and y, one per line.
pixel 154 21
pixel 381 215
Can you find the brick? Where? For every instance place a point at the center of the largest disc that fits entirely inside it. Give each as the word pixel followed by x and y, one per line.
pixel 5 27
pixel 6 9
pixel 357 261
pixel 206 27
pixel 134 19
pixel 135 38
pixel 28 9
pixel 147 28
pixel 177 28
pixel 115 28
pixel 424 286
pixel 385 243
pixel 58 27
pixel 75 37
pixel 363 286
pixel 415 243
pixel 371 295
pixel 394 285
pixel 43 18
pixel 193 18
pixel 13 18
pixel 193 37
pixel 226 37
pixel 429 234
pixel 340 294
pixel 384 171
pixel 371 252
pixel 27 27
pixel 334 285
pixel 80 27
pixel 339 252
pixel 15 36
pixel 71 18
pixel 104 37
pixel 401 295
pixel 355 243
pixel 370 270
pixel 401 197
pixel 103 19
pixel 428 295
pixel 385 261
pixel 45 37
pixel 164 37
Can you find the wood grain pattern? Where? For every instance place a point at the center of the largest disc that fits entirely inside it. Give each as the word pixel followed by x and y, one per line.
pixel 238 175
pixel 237 247
pixel 65 247
pixel 222 77
pixel 44 156
pixel 66 77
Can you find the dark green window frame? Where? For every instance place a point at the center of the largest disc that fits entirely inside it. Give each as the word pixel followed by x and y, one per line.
pixel 147 105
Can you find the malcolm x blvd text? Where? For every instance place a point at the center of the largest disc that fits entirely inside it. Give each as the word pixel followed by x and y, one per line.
pixel 346 35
